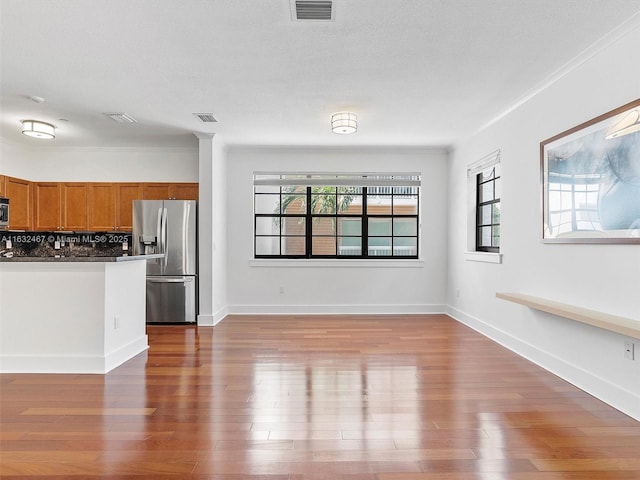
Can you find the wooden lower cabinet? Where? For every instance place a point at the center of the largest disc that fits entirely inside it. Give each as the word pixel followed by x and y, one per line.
pixel 18 191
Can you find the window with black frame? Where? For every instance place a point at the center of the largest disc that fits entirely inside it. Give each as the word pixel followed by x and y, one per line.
pixel 488 210
pixel 347 216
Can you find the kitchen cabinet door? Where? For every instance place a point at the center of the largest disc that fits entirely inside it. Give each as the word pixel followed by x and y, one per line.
pixel 46 197
pixel 170 191
pixel 126 193
pixel 156 191
pixel 75 206
pixel 2 194
pixel 18 191
pixel 185 191
pixel 102 206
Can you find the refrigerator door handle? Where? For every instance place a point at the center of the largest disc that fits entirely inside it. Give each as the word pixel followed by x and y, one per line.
pixel 164 236
pixel 159 232
pixel 169 280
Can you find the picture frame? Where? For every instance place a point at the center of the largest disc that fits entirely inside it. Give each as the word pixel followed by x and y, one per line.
pixel 590 177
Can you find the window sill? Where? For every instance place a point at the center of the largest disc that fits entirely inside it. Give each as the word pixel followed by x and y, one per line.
pixel 329 263
pixel 486 257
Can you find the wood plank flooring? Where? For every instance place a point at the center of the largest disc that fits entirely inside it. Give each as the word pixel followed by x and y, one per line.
pixel 314 397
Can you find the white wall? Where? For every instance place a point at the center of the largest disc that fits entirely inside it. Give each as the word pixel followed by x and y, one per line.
pixel 336 286
pixel 600 277
pixel 100 164
pixel 220 236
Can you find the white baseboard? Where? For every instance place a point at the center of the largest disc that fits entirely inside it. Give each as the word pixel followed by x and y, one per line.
pixel 98 364
pixel 118 357
pixel 612 394
pixel 334 309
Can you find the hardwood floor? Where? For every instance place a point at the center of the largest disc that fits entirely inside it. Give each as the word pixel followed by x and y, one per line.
pixel 318 397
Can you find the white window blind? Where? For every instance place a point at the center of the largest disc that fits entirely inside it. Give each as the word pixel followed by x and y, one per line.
pixel 310 179
pixel 484 163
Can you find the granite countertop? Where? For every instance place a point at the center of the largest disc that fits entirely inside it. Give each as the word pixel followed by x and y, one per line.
pixel 104 259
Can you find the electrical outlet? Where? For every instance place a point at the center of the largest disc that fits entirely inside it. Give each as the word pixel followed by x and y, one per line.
pixel 629 348
pixel 116 323
pixel 281 288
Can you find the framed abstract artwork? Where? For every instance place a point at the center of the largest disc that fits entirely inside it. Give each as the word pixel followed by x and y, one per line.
pixel 591 180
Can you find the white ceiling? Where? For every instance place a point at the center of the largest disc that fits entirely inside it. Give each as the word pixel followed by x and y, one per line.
pixel 417 72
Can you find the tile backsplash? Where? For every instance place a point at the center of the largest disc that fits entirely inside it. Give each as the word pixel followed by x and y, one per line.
pixel 64 244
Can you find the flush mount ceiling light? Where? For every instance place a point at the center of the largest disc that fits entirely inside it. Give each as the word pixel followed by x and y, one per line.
pixel 36 129
pixel 629 122
pixel 344 123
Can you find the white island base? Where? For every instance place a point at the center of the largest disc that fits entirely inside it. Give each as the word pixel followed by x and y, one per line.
pixel 71 317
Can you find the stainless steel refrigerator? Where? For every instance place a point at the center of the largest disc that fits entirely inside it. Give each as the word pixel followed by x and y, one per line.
pixel 168 227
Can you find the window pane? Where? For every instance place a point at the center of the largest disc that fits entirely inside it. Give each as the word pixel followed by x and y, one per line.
pixel 379 246
pixel 293 246
pixel 267 245
pixel 495 213
pixel 405 246
pixel 350 204
pixel 324 204
pixel 349 246
pixel 377 205
pixel 379 226
pixel 495 236
pixel 485 236
pixel 350 190
pixel 405 226
pixel 323 246
pixel 323 226
pixel 497 184
pixel 267 189
pixel 350 226
pixel 267 225
pixel 293 226
pixel 294 203
pixel 405 205
pixel 485 215
pixel 486 192
pixel 267 203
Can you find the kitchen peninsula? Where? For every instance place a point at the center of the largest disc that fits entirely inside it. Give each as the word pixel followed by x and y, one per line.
pixel 69 314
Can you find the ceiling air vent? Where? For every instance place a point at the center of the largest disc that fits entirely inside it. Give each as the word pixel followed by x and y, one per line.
pixel 120 117
pixel 206 117
pixel 312 10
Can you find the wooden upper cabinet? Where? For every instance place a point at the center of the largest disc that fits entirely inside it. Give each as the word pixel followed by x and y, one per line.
pixel 111 205
pixel 2 194
pixel 170 191
pixel 102 206
pixel 46 199
pixel 185 191
pixel 18 191
pixel 75 206
pixel 156 191
pixel 60 206
pixel 126 193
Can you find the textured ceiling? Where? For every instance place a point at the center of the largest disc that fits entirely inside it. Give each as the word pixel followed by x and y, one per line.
pixel 417 72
